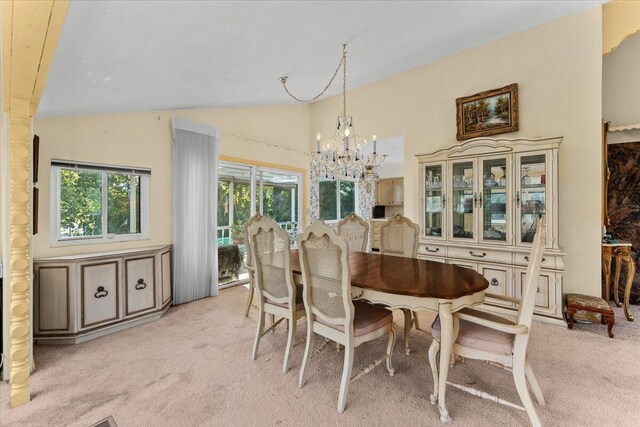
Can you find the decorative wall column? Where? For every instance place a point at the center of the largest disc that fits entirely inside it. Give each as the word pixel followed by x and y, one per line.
pixel 20 238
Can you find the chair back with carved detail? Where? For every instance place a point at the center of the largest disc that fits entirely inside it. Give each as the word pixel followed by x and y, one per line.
pixel 247 227
pixel 355 231
pixel 324 261
pixel 399 237
pixel 271 256
pixel 531 280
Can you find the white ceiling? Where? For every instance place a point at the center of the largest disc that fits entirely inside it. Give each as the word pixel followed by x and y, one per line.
pixel 158 55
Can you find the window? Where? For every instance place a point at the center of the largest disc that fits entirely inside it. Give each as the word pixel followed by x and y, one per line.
pixel 337 199
pixel 94 203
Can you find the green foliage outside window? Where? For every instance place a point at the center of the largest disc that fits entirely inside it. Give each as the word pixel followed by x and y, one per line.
pixel 80 203
pixel 330 191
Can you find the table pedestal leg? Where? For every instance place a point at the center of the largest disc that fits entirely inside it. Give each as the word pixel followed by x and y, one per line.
pixel 631 271
pixel 446 344
pixel 616 280
pixel 606 266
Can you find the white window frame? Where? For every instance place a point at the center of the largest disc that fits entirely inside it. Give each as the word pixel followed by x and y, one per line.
pixel 338 205
pixel 57 240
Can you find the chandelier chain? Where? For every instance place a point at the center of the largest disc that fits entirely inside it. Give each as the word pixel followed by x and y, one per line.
pixel 342 64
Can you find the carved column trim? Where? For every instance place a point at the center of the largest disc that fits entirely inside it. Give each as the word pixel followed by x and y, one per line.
pixel 20 262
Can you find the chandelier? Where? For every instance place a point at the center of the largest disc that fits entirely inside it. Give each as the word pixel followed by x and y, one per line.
pixel 344 153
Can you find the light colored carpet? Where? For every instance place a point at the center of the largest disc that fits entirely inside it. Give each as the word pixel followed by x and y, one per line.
pixel 193 367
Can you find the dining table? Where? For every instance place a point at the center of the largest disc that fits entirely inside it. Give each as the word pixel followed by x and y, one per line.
pixel 418 285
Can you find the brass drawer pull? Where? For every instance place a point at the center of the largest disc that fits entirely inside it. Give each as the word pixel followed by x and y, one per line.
pixel 484 254
pixel 494 282
pixel 432 250
pixel 140 285
pixel 101 292
pixel 527 258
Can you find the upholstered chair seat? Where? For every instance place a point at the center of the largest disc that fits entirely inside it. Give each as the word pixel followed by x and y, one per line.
pixel 367 318
pixel 481 338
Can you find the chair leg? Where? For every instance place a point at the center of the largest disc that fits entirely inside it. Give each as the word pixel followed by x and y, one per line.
pixel 291 326
pixel 346 376
pixel 256 343
pixel 249 300
pixel 307 354
pixel 519 377
pixel 537 391
pixel 434 349
pixel 407 329
pixel 390 343
pixel 415 319
pixel 273 320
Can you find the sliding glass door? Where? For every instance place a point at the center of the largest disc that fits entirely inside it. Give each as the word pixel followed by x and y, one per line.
pixel 244 191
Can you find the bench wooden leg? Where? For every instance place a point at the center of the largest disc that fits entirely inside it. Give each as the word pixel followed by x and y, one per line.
pixel 610 321
pixel 570 313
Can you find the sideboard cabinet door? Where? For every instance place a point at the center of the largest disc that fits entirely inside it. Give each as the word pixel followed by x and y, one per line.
pixel 53 299
pixel 99 293
pixel 140 293
pixel 165 267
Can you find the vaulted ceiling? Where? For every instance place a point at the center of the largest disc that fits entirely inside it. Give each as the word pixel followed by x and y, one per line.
pixel 116 56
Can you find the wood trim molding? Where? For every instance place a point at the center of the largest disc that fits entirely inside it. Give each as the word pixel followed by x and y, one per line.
pixel 170 252
pixel 53 267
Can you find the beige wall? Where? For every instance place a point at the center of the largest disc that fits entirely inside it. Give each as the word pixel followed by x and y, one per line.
pixel 621 84
pixel 558 67
pixel 144 140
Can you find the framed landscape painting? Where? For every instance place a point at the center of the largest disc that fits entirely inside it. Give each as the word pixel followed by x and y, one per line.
pixel 488 113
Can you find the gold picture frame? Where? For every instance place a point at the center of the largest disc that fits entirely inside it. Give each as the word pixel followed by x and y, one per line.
pixel 487 113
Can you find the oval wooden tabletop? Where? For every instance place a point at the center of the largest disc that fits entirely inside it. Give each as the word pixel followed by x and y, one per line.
pixel 408 276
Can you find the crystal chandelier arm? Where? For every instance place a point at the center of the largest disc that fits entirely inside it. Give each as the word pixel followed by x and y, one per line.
pixel 342 63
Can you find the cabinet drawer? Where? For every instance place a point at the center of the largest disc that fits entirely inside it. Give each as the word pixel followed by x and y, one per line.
pixel 548 261
pixel 99 293
pixel 431 258
pixel 465 264
pixel 546 288
pixel 432 250
pixel 140 282
pixel 499 282
pixel 479 255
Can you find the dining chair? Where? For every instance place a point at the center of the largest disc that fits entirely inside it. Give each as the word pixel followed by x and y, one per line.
pixel 499 341
pixel 249 262
pixel 331 312
pixel 355 231
pixel 277 293
pixel 399 236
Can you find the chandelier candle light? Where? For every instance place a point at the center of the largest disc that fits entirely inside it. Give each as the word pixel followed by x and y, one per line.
pixel 343 154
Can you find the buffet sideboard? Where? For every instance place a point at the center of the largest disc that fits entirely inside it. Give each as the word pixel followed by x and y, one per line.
pixel 81 297
pixel 480 202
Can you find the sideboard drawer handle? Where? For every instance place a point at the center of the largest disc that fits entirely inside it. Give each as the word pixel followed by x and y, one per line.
pixel 527 258
pixel 140 285
pixel 101 292
pixel 484 254
pixel 432 250
pixel 494 282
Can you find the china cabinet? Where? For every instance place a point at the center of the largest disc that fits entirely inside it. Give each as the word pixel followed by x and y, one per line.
pixel 81 297
pixel 480 202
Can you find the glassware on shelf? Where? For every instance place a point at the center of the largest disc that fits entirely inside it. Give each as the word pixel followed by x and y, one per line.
pixel 503 179
pixel 526 179
pixel 489 179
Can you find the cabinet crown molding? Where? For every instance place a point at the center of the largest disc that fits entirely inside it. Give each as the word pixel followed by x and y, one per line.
pixel 476 146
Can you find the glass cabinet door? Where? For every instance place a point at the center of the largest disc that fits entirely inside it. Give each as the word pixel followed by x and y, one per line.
pixel 463 199
pixel 434 200
pixel 532 197
pixel 493 200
